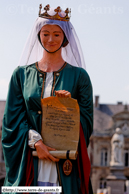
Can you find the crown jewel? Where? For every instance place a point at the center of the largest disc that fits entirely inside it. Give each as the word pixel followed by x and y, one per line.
pixel 56 16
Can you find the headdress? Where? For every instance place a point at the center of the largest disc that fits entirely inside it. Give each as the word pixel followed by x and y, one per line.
pixel 33 51
pixel 56 16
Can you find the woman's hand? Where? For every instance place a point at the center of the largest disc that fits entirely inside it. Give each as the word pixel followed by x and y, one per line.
pixel 63 93
pixel 43 151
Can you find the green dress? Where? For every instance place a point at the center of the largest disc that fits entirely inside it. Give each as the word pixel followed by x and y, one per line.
pixel 23 112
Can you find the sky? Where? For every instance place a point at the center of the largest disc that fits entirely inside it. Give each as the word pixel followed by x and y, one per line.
pixel 103 30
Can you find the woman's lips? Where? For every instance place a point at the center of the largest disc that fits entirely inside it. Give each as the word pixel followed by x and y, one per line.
pixel 51 44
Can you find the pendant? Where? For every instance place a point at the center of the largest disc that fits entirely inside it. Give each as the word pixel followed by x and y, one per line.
pixel 67 167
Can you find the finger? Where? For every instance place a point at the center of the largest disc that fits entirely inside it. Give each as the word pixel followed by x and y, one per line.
pixel 43 157
pixel 59 92
pixel 49 148
pixel 47 158
pixel 68 95
pixel 63 93
pixel 53 158
pixel 56 92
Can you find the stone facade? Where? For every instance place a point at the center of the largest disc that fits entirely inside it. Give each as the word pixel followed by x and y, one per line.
pixel 106 119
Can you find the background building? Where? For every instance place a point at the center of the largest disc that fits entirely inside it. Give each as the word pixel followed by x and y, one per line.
pixel 107 117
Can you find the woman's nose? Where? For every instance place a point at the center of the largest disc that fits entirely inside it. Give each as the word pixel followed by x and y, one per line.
pixel 50 38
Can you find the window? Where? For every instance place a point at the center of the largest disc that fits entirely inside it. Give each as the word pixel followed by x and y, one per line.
pixel 126 157
pixel 102 184
pixel 104 156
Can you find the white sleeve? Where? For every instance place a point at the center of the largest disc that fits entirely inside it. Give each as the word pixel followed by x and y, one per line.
pixel 33 137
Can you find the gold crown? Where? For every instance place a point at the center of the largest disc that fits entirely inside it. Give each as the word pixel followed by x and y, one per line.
pixel 56 16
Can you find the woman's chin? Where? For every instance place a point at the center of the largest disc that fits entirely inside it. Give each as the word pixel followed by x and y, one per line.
pixel 52 50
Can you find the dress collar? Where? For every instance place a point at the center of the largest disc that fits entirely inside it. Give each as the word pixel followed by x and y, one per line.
pixel 36 64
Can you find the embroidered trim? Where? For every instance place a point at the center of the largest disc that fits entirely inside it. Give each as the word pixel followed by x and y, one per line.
pixel 54 80
pixel 36 64
pixel 44 79
pixel 61 68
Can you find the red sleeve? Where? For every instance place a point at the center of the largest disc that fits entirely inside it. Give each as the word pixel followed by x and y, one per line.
pixel 29 168
pixel 83 164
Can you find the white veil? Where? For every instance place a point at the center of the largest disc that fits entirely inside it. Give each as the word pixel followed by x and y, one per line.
pixel 33 51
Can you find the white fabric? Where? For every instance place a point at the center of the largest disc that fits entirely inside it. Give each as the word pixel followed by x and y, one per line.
pixel 33 50
pixel 33 137
pixel 46 169
pixel 48 85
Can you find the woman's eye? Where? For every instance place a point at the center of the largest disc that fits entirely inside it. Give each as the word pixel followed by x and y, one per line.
pixel 56 34
pixel 45 34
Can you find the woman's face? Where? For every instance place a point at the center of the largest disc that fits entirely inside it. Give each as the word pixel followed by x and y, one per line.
pixel 51 37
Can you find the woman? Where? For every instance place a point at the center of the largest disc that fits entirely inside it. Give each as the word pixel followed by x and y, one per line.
pixel 53 65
